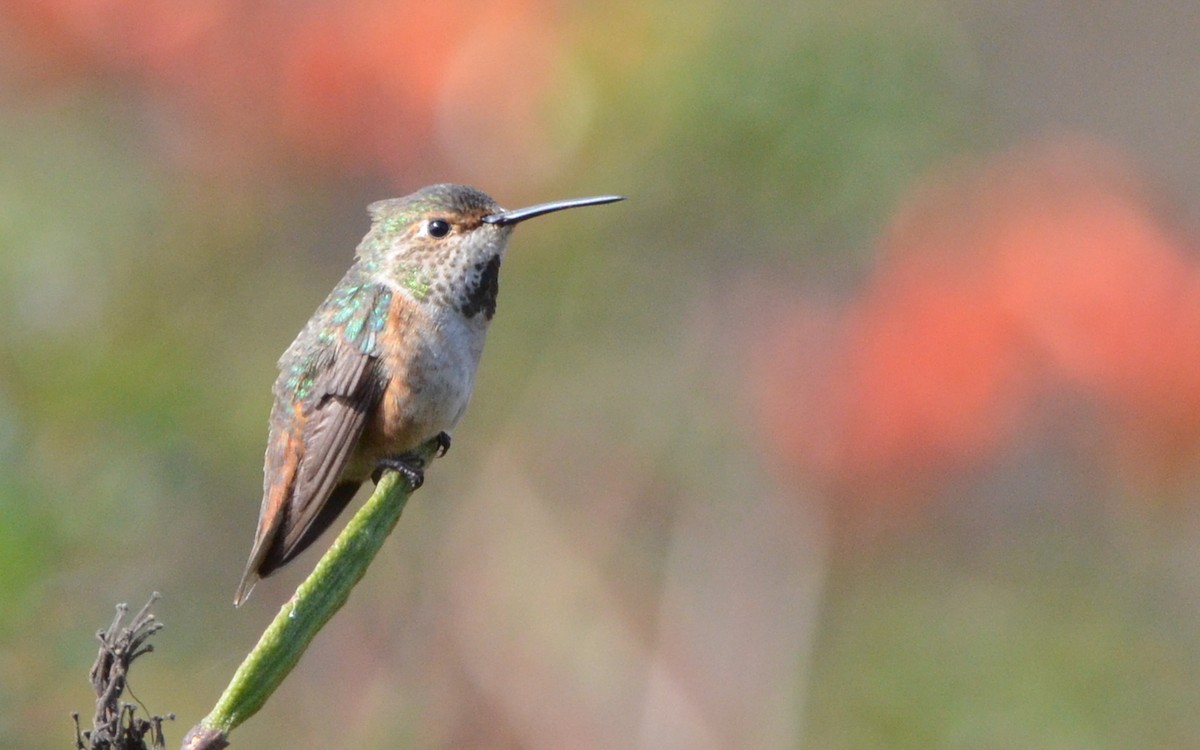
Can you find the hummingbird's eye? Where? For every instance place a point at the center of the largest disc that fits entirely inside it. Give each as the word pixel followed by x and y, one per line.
pixel 438 228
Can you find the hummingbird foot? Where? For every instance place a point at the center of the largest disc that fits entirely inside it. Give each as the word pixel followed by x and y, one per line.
pixel 443 443
pixel 407 464
pixel 411 465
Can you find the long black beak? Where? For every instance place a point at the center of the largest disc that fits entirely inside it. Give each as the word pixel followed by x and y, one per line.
pixel 521 214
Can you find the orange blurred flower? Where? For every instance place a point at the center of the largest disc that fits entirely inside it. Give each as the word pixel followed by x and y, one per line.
pixel 1101 287
pixel 356 86
pixel 998 286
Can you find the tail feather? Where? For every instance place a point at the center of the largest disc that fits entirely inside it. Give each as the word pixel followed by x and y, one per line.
pixel 245 587
pixel 279 545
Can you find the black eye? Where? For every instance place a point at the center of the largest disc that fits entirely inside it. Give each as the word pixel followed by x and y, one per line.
pixel 439 228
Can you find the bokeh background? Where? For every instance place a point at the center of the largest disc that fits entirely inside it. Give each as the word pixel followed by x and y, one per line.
pixel 871 420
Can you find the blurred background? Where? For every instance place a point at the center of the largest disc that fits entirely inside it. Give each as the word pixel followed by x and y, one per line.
pixel 870 420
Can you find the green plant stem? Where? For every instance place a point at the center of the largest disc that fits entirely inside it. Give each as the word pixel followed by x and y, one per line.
pixel 316 600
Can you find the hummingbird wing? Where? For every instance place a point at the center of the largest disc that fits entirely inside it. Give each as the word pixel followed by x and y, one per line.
pixel 330 381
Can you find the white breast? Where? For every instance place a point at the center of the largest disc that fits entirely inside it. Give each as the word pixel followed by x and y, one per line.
pixel 445 357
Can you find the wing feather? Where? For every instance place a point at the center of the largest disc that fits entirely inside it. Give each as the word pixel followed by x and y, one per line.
pixel 349 393
pixel 331 381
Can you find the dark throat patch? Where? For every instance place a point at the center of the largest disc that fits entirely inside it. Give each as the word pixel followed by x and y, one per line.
pixel 484 286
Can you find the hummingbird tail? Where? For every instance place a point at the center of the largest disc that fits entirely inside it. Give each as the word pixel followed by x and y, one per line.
pixel 245 588
pixel 285 539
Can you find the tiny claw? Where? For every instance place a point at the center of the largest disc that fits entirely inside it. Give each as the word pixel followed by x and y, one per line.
pixel 414 474
pixel 443 443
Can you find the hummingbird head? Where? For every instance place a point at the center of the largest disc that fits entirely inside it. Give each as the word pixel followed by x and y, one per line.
pixel 444 243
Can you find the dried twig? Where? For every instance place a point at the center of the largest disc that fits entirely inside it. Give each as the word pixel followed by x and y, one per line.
pixel 116 725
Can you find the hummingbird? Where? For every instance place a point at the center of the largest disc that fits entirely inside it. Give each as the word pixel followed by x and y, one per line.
pixel 386 364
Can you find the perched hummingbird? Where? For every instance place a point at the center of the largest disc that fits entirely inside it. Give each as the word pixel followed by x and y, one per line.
pixel 386 364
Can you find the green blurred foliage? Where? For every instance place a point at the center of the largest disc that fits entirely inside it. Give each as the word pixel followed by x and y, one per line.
pixel 1031 645
pixel 792 128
